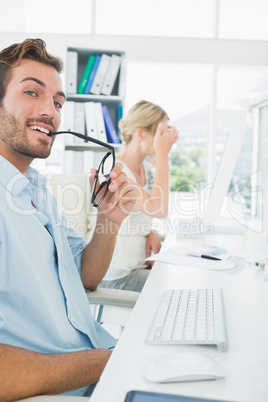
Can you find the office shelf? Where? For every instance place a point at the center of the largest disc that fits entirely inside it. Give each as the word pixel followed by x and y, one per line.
pixel 89 147
pixel 74 73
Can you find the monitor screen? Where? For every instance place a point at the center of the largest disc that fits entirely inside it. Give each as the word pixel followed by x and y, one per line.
pixel 225 172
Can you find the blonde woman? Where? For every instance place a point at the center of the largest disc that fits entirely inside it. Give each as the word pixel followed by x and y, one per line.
pixel 146 133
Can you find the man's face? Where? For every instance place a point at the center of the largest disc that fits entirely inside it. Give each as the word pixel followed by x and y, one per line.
pixel 30 109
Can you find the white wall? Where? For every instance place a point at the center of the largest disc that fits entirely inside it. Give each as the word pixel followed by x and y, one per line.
pixel 157 49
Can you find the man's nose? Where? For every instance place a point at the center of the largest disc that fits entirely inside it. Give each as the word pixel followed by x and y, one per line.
pixel 47 108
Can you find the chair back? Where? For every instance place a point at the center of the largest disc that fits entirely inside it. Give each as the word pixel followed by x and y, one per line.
pixel 73 195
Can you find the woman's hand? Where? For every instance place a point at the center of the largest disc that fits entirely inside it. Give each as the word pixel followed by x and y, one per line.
pixel 164 138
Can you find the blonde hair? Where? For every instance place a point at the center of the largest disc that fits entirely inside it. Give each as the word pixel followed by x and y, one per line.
pixel 143 115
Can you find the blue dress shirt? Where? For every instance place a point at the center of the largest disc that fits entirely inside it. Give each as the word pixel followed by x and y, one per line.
pixel 43 305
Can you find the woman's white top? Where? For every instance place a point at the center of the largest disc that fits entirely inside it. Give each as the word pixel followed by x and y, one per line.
pixel 130 248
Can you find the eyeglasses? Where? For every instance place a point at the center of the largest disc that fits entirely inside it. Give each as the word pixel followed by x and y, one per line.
pixel 102 177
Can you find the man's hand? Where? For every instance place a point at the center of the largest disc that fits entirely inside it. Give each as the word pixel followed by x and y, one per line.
pixel 116 206
pixel 121 197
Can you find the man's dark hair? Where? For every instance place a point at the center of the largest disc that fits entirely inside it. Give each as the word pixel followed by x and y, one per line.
pixel 31 49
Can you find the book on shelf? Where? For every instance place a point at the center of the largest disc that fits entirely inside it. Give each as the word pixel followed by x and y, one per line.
pixel 71 75
pixel 122 80
pixel 79 120
pixel 78 161
pixel 111 133
pixel 88 162
pixel 111 75
pixel 92 74
pixel 100 122
pixel 69 113
pixel 119 115
pixel 100 74
pixel 68 162
pixel 91 120
pixel 69 117
pixel 86 73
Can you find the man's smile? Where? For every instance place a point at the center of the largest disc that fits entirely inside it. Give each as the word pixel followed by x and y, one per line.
pixel 41 130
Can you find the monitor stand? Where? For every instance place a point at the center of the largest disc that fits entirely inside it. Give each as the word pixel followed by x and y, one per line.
pixel 196 227
pixel 229 226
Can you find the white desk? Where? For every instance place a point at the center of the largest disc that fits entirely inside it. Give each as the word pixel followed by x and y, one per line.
pixel 246 305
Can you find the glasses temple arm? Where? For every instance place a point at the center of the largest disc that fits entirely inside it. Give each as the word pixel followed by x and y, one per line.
pixel 84 137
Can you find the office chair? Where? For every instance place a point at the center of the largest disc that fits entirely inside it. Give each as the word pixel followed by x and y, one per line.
pixel 113 305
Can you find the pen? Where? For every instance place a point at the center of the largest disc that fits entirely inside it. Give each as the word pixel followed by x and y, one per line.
pixel 260 264
pixel 208 257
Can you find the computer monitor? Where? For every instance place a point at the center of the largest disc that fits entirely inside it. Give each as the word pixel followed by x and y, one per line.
pixel 208 222
pixel 225 172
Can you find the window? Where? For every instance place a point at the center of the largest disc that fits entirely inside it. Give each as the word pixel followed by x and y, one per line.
pixel 60 16
pixel 191 18
pixel 235 87
pixel 184 93
pixel 178 18
pixel 243 19
pixel 260 190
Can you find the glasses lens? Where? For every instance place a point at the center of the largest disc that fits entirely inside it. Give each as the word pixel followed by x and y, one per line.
pixel 106 167
pixel 102 180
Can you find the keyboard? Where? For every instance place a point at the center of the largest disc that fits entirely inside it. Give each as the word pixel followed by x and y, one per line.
pixel 188 317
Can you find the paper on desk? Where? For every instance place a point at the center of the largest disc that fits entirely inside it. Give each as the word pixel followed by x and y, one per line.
pixel 173 255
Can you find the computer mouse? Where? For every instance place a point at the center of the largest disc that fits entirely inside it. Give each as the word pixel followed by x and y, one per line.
pixel 182 367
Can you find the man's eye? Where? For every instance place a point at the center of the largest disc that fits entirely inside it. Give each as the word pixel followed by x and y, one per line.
pixel 57 104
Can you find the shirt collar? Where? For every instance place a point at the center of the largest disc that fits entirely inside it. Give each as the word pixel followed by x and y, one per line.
pixel 14 181
pixel 36 178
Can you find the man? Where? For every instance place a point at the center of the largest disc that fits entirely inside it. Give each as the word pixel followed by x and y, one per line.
pixel 49 342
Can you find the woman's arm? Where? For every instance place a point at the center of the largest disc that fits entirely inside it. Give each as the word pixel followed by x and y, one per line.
pixel 156 203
